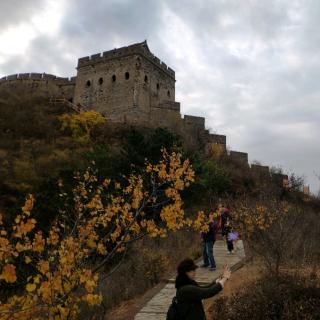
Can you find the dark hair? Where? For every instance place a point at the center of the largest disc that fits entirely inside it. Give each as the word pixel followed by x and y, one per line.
pixel 186 265
pixel 182 279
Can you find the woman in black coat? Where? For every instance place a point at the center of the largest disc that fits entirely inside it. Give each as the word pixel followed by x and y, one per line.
pixel 190 294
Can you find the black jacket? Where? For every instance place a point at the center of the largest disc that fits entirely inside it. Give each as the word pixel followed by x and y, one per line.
pixel 190 299
pixel 211 234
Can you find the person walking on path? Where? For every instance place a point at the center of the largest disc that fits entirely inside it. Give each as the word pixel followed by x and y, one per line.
pixel 190 295
pixel 226 227
pixel 208 240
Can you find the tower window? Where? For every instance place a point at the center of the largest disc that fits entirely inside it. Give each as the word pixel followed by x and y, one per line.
pixel 127 75
pixel 168 94
pixel 88 83
pixel 158 86
pixel 146 79
pixel 114 78
pixel 101 81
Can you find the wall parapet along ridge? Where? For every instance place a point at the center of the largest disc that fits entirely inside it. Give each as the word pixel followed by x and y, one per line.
pixel 38 76
pixel 239 156
pixel 194 120
pixel 138 48
pixel 217 138
pixel 262 170
pixel 148 111
pixel 170 105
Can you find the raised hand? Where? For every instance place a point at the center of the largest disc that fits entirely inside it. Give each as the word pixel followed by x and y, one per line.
pixel 226 272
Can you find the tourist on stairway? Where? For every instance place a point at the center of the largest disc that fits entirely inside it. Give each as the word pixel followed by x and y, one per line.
pixel 226 227
pixel 190 294
pixel 208 240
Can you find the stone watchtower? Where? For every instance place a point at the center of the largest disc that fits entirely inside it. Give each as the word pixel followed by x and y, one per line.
pixel 126 84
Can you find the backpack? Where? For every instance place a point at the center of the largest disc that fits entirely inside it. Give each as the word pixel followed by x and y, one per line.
pixel 173 311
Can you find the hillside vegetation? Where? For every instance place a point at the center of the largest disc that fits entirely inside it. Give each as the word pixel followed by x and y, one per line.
pixel 70 161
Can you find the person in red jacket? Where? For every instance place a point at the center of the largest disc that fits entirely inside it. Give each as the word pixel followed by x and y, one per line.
pixel 226 227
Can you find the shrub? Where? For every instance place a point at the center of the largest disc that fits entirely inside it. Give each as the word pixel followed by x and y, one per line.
pixel 287 297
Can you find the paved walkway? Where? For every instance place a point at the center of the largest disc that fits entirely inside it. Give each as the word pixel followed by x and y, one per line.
pixel 157 307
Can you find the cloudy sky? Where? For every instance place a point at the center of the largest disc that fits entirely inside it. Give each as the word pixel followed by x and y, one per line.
pixel 251 67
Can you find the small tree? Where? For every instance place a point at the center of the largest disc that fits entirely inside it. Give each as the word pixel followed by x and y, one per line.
pixel 81 124
pixel 270 229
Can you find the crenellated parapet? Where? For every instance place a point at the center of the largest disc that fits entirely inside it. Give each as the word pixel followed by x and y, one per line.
pixel 169 105
pixel 194 121
pixel 38 76
pixel 240 157
pixel 39 85
pixel 262 171
pixel 280 179
pixel 217 139
pixel 137 48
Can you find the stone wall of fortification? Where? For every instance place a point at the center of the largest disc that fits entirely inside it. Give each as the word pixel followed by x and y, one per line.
pixel 240 157
pixel 166 114
pixel 128 84
pixel 108 87
pixel 38 85
pixel 261 171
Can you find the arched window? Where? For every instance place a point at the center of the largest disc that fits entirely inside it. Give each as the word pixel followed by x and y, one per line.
pixel 114 78
pixel 168 94
pixel 88 83
pixel 127 75
pixel 101 81
pixel 158 86
pixel 146 79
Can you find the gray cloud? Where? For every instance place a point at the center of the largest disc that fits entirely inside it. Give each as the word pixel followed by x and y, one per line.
pixel 252 70
pixel 14 12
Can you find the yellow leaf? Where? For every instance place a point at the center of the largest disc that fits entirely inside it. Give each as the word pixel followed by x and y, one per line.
pixel 9 273
pixel 30 287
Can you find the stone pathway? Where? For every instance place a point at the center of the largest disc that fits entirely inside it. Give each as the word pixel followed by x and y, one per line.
pixel 157 307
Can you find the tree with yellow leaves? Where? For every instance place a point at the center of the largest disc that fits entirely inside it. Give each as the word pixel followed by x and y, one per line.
pixel 267 228
pixel 63 266
pixel 81 124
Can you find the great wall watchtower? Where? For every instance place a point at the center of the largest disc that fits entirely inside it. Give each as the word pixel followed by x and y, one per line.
pixel 131 85
pixel 126 84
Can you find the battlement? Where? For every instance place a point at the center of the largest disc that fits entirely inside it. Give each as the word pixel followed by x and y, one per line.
pixel 194 121
pixel 281 179
pixel 239 156
pixel 262 170
pixel 217 138
pixel 137 48
pixel 170 105
pixel 280 176
pixel 38 76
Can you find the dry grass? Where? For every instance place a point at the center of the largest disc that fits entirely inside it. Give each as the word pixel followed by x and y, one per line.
pixel 252 293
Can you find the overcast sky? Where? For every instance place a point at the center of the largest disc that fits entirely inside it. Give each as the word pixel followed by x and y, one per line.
pixel 251 67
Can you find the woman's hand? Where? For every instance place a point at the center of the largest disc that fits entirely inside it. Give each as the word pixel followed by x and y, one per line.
pixel 225 275
pixel 226 272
